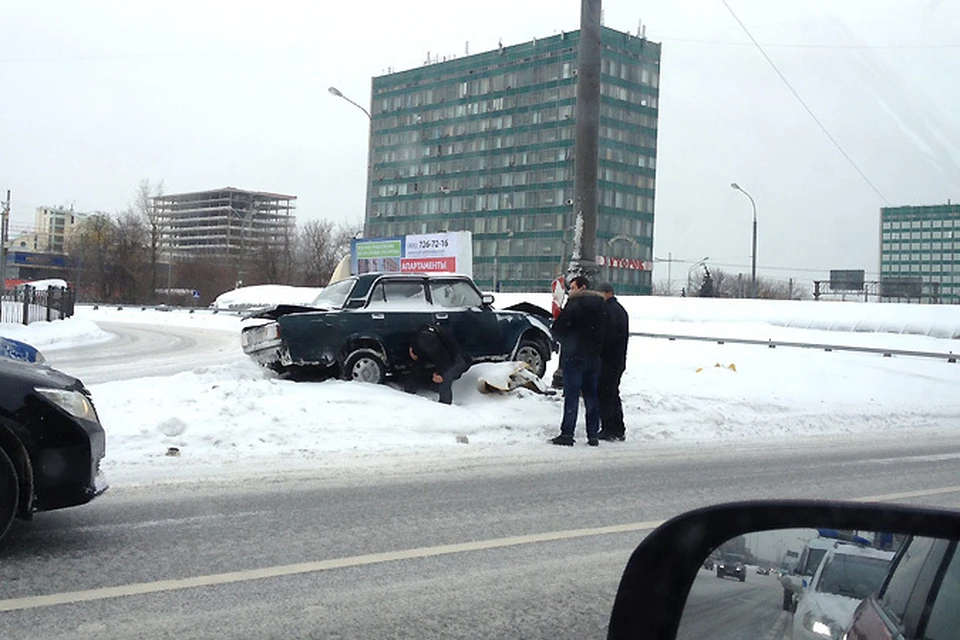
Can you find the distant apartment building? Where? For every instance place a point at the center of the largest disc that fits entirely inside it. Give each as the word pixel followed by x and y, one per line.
pixel 223 223
pixel 55 226
pixel 920 253
pixel 485 143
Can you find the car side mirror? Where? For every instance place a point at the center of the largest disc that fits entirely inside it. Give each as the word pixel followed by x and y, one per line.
pixel 487 299
pixel 657 580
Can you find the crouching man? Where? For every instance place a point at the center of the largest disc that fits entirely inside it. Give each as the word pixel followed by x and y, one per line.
pixel 435 345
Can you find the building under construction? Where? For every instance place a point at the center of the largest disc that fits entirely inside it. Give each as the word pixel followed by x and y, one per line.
pixel 224 223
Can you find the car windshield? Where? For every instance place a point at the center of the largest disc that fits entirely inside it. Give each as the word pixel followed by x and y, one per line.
pixel 732 558
pixel 335 295
pixel 852 576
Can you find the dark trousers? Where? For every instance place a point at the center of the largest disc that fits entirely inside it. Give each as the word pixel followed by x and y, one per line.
pixel 580 377
pixel 608 393
pixel 452 374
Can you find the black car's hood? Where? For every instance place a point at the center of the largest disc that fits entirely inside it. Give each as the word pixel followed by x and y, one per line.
pixel 14 373
pixel 274 312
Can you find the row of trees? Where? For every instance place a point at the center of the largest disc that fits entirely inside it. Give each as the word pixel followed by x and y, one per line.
pixel 716 283
pixel 119 257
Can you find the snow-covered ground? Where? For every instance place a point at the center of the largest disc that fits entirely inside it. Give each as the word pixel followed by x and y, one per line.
pixel 237 417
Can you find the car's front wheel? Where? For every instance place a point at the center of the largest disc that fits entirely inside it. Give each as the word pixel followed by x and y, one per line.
pixel 535 355
pixel 9 493
pixel 364 365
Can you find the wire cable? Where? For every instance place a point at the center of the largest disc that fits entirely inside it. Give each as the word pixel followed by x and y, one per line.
pixel 804 104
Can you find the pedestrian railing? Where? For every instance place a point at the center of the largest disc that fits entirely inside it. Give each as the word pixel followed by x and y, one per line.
pixel 25 304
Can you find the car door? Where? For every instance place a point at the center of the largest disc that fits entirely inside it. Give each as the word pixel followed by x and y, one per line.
pixel 396 308
pixel 457 305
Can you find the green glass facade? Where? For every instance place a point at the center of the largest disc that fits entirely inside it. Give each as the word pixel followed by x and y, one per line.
pixel 484 144
pixel 923 242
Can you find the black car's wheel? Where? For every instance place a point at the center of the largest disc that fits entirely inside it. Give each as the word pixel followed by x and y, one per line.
pixel 364 365
pixel 9 493
pixel 743 578
pixel 534 354
pixel 787 600
pixel 719 574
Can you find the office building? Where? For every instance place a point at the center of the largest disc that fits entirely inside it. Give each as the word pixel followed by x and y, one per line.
pixel 920 253
pixel 485 143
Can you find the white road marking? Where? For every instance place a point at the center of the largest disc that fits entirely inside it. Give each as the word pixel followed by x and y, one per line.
pixel 35 602
pixel 891 497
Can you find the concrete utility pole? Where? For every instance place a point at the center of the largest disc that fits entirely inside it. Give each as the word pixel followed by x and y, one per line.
pixel 586 142
pixel 4 232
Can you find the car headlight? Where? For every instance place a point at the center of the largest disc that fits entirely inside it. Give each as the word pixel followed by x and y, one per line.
pixel 820 627
pixel 73 402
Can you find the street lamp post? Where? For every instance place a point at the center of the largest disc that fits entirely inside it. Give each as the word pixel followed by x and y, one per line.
pixel 700 263
pixel 366 205
pixel 753 259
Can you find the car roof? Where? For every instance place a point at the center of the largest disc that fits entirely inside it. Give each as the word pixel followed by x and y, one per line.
pixel 850 549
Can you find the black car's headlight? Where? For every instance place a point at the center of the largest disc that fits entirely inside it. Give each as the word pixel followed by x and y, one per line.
pixel 73 402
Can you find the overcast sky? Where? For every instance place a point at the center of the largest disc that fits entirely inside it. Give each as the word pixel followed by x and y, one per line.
pixel 95 96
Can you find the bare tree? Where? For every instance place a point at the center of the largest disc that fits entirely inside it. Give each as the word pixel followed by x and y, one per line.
pixel 144 207
pixel 321 246
pixel 130 258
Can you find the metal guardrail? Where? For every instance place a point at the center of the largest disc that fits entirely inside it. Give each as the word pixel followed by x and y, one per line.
pixel 950 356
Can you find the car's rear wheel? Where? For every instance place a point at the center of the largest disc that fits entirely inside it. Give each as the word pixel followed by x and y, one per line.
pixel 364 365
pixel 787 600
pixel 535 355
pixel 9 493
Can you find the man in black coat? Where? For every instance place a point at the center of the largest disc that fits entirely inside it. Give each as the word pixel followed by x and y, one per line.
pixel 579 327
pixel 435 345
pixel 613 362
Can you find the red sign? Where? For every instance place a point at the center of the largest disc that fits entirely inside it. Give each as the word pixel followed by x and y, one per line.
pixel 623 263
pixel 428 265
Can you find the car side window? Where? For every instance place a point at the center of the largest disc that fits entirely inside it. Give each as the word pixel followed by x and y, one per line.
pixel 944 617
pixel 905 575
pixel 454 293
pixel 397 295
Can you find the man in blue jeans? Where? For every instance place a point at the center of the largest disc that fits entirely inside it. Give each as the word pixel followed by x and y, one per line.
pixel 579 327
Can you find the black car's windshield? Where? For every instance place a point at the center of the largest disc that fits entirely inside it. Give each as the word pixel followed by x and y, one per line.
pixel 853 576
pixel 335 295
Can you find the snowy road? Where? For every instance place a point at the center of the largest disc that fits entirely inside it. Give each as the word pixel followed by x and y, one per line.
pixel 140 350
pixel 366 558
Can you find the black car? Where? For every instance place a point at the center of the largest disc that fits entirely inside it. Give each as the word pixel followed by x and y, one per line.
pixel 731 564
pixel 360 327
pixel 51 442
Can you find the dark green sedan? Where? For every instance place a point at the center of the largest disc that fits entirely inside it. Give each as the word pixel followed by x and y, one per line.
pixel 359 328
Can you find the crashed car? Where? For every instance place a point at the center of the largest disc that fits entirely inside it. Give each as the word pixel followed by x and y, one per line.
pixel 51 442
pixel 360 327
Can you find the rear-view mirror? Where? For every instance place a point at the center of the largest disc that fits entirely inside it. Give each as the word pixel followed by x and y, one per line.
pixel 753 589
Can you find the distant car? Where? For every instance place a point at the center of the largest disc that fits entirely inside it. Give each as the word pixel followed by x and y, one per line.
pixel 847 574
pixel 360 327
pixel 918 598
pixel 763 571
pixel 731 565
pixel 51 442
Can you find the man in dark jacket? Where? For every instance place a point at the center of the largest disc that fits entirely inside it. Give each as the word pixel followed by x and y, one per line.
pixel 579 327
pixel 433 344
pixel 613 362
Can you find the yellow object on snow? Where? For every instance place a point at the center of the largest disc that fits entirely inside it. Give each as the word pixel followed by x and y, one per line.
pixel 731 367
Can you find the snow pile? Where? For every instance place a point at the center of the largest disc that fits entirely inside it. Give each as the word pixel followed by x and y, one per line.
pixel 264 295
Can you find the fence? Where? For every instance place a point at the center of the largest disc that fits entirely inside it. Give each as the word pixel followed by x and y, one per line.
pixel 25 304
